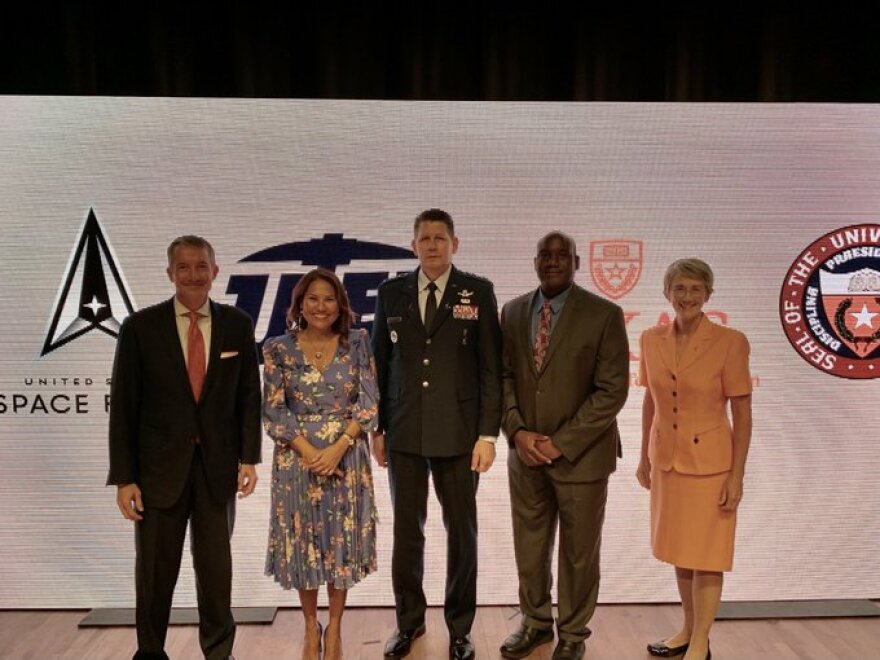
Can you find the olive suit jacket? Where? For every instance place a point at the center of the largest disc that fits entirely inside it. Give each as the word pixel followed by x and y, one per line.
pixel 582 385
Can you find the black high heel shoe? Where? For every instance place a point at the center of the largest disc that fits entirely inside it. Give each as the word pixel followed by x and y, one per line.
pixel 661 650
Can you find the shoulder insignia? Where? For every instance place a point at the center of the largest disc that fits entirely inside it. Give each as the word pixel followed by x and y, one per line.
pixel 474 276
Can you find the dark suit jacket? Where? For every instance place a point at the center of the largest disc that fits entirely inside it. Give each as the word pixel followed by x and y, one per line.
pixel 440 388
pixel 581 387
pixel 154 418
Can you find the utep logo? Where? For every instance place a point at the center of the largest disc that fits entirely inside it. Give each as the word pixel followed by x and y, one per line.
pixel 93 294
pixel 263 289
pixel 830 303
pixel 615 266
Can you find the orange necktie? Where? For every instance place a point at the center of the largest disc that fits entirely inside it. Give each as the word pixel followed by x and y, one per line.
pixel 195 349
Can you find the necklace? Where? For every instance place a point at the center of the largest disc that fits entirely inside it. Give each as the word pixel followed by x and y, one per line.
pixel 318 351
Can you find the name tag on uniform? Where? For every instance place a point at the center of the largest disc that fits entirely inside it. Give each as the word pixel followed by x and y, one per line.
pixel 466 312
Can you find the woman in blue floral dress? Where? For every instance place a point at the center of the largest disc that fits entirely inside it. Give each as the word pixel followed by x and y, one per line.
pixel 320 400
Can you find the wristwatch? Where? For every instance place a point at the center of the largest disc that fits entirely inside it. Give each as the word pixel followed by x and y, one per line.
pixel 348 439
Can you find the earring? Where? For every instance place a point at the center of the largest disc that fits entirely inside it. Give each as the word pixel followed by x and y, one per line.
pixel 301 322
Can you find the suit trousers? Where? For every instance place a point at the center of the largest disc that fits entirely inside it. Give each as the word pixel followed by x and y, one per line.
pixel 538 503
pixel 456 488
pixel 159 539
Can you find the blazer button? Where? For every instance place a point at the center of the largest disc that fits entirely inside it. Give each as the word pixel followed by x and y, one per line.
pixel 425 383
pixel 675 410
pixel 696 441
pixel 426 362
pixel 675 394
pixel 428 340
pixel 675 427
pixel 673 376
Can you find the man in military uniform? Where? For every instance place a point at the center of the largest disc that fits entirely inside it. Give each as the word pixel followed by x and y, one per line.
pixel 437 344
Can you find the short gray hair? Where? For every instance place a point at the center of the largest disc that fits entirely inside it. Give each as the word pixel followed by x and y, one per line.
pixel 691 267
pixel 190 240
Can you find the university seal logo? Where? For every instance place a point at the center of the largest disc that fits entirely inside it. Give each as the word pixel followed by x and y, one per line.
pixel 615 266
pixel 830 303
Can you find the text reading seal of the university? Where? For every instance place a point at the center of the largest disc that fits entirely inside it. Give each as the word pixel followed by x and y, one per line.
pixel 830 302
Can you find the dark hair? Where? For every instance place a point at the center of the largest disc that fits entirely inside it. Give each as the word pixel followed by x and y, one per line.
pixel 434 215
pixel 190 240
pixel 342 325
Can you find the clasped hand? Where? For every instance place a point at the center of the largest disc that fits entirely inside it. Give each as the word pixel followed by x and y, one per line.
pixel 535 449
pixel 325 462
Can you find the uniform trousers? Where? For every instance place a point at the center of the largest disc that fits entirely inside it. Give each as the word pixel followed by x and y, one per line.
pixel 456 488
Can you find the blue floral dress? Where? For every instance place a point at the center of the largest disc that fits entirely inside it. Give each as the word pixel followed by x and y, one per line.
pixel 322 530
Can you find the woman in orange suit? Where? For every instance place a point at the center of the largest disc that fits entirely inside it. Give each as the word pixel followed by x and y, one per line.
pixel 693 455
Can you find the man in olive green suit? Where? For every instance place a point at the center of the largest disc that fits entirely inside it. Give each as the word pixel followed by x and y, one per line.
pixel 565 378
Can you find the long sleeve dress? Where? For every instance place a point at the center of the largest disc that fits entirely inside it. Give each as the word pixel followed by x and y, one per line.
pixel 322 529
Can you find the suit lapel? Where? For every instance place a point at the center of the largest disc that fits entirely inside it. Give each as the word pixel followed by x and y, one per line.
pixel 702 340
pixel 218 326
pixel 666 345
pixel 564 325
pixel 524 332
pixel 172 340
pixel 411 304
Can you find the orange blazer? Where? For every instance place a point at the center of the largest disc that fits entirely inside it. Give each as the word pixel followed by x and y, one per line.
pixel 691 432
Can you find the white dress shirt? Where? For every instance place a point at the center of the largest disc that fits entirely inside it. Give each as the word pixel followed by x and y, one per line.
pixel 441 283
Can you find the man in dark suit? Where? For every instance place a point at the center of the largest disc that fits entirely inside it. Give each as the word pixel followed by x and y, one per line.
pixel 184 437
pixel 438 356
pixel 565 378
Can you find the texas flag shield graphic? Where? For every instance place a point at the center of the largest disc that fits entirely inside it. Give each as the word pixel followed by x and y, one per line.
pixel 852 304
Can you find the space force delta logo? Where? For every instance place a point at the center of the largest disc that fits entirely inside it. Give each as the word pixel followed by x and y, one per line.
pixel 95 296
pixel 830 303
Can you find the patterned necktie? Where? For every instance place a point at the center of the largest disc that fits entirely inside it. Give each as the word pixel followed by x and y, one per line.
pixel 542 338
pixel 430 305
pixel 195 350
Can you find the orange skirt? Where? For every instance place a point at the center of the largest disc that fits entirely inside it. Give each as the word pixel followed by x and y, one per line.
pixel 688 528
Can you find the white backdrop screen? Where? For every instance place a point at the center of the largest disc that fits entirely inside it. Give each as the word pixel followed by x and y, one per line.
pixel 279 186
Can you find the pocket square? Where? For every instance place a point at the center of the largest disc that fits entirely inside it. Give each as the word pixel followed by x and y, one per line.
pixel 228 354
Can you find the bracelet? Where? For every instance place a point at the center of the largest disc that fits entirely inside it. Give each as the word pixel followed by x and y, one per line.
pixel 348 439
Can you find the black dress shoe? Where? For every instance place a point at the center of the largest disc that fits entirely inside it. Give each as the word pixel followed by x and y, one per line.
pixel 660 649
pixel 566 650
pixel 400 643
pixel 461 648
pixel 524 641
